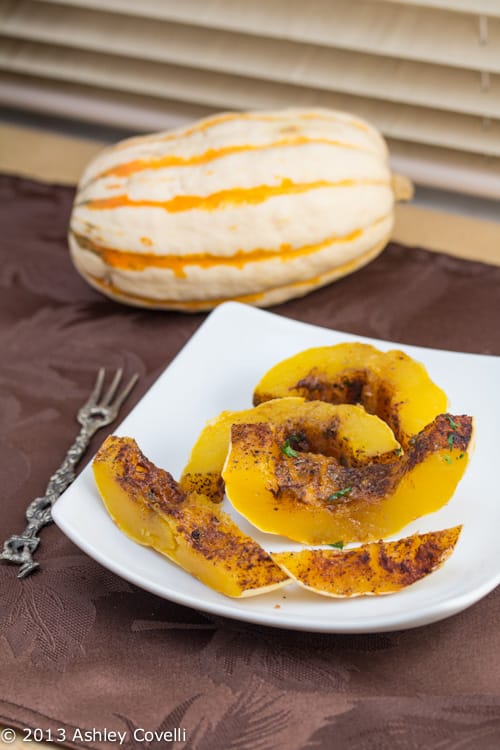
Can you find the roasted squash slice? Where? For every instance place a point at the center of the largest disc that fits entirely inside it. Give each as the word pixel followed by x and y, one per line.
pixel 391 385
pixel 343 431
pixel 147 504
pixel 372 569
pixel 313 499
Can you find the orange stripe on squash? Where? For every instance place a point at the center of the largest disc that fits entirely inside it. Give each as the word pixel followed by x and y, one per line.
pixel 136 261
pixel 257 116
pixel 170 272
pixel 188 304
pixel 211 122
pixel 250 299
pixel 138 165
pixel 223 198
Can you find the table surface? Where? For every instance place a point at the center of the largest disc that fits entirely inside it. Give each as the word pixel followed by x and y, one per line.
pixel 59 158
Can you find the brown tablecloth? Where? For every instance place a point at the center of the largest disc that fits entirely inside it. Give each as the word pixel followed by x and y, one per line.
pixel 81 649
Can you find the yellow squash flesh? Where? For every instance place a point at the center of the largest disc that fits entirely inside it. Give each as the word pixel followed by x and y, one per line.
pixel 148 506
pixel 372 569
pixel 313 499
pixel 345 431
pixel 391 385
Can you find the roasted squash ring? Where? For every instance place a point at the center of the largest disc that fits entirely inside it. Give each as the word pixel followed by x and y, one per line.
pixel 314 499
pixel 391 385
pixel 343 431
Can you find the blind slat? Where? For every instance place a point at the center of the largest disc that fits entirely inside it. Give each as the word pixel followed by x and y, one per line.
pixel 486 7
pixel 425 72
pixel 404 31
pixel 131 112
pixel 426 165
pixel 275 60
pixel 227 91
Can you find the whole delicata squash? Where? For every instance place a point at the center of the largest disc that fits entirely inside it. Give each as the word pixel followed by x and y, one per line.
pixel 256 206
pixel 314 499
pixel 344 431
pixel 390 384
pixel 148 506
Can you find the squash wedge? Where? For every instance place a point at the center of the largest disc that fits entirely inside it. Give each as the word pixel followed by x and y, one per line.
pixel 313 499
pixel 372 569
pixel 147 504
pixel 391 385
pixel 344 431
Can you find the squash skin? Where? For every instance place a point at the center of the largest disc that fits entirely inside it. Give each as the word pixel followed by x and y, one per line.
pixel 374 569
pixel 148 506
pixel 344 431
pixel 390 384
pixel 283 202
pixel 312 499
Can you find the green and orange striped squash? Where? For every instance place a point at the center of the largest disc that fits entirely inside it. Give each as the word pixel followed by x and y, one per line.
pixel 258 207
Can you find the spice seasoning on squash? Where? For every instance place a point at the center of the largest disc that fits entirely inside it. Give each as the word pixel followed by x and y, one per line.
pixel 148 505
pixel 384 496
pixel 373 569
pixel 390 384
pixel 309 425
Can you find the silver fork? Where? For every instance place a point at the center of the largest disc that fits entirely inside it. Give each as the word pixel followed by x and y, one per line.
pixel 96 412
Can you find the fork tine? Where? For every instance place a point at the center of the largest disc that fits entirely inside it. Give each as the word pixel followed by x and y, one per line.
pixel 123 395
pixel 96 391
pixel 112 388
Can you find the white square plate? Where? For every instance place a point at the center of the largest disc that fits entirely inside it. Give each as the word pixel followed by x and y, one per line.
pixel 217 370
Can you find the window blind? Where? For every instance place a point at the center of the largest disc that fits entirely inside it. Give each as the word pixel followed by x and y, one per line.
pixel 427 73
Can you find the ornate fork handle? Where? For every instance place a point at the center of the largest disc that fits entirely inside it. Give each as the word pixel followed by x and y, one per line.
pixel 19 548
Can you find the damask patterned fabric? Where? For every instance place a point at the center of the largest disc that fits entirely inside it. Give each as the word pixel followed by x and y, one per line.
pixel 81 648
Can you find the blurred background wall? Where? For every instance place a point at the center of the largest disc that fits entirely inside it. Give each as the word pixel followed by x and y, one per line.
pixel 426 72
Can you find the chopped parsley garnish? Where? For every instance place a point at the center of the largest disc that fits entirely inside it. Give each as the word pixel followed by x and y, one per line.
pixel 452 422
pixel 461 455
pixel 447 459
pixel 340 493
pixel 287 449
pixel 337 545
pixel 451 438
pixel 398 451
